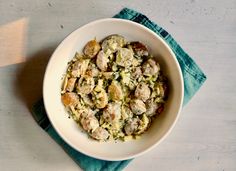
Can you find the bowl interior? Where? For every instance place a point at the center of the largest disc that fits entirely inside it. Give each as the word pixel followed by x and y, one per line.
pixel 68 129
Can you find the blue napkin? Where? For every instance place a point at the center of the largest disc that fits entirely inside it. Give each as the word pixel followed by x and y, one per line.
pixel 193 79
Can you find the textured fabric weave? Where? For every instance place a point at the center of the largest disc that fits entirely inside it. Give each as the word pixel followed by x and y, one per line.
pixel 193 79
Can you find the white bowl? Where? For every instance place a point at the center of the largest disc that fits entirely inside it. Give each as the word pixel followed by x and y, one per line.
pixel 68 129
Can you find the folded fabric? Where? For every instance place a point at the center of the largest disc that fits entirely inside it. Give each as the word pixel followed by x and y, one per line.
pixel 193 79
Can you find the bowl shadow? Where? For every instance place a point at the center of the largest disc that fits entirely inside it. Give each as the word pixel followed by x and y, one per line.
pixel 29 78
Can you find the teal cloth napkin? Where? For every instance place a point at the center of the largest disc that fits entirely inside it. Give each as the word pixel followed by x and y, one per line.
pixel 193 79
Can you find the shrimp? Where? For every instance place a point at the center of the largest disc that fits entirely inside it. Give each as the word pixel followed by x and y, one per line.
pixel 115 91
pixel 142 92
pixel 100 134
pixel 112 112
pixel 89 123
pixel 102 61
pixel 91 48
pixel 150 67
pixel 137 106
pixel 85 85
pixel 86 112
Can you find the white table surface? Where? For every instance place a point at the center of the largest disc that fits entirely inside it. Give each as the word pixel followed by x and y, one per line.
pixel 204 138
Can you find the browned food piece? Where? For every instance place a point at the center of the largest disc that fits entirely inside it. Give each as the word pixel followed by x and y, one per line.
pixel 115 91
pixel 139 48
pixel 70 99
pixel 91 48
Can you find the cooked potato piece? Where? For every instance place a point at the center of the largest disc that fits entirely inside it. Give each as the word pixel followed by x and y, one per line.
pixel 70 84
pixel 79 67
pixel 100 134
pixel 85 85
pixel 70 99
pixel 112 112
pixel 115 91
pixel 124 57
pixel 139 48
pixel 92 48
pixel 102 61
pixel 137 106
pixel 150 67
pixel 132 126
pixel 142 92
pixel 112 43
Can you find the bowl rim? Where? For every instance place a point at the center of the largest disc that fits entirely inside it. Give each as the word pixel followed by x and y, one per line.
pixel 181 88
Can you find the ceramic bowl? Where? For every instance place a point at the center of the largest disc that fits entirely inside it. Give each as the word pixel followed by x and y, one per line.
pixel 69 130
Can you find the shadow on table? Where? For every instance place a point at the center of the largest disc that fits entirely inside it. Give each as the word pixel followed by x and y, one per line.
pixel 29 79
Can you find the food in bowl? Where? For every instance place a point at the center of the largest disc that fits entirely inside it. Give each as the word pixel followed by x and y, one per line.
pixel 114 89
